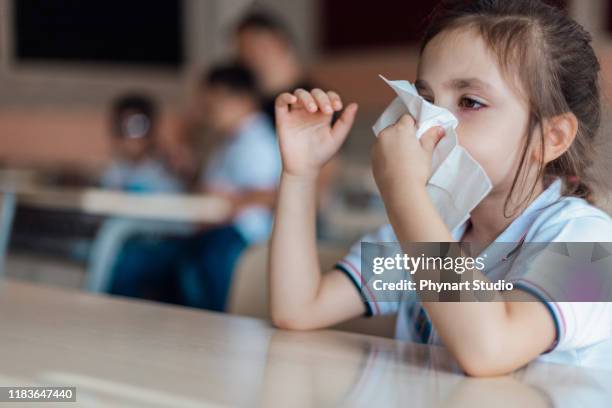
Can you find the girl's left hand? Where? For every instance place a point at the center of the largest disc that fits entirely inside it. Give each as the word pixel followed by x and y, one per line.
pixel 400 159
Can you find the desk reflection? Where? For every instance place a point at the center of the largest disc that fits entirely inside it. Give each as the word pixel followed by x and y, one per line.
pixel 333 369
pixel 125 352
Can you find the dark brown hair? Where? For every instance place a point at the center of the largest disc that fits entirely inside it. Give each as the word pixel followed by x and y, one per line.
pixel 135 101
pixel 552 57
pixel 266 21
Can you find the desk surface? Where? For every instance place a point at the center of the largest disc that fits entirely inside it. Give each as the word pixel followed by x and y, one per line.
pixel 121 352
pixel 168 207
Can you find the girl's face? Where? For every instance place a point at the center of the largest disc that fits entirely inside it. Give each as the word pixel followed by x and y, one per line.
pixel 459 73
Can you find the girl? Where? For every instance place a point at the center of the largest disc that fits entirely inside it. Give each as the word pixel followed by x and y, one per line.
pixel 522 78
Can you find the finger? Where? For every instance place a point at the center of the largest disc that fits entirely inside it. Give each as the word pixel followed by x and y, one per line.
pixel 406 120
pixel 306 99
pixel 283 101
pixel 322 101
pixel 345 122
pixel 430 139
pixel 335 99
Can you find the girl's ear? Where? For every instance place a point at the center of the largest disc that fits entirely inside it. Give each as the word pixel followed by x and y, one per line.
pixel 559 134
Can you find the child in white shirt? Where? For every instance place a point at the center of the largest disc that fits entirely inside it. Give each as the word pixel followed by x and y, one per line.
pixel 138 165
pixel 522 78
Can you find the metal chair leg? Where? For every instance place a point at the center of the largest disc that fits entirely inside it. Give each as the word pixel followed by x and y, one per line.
pixel 7 212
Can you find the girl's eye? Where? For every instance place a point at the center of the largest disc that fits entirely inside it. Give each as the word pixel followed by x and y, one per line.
pixel 471 104
pixel 427 98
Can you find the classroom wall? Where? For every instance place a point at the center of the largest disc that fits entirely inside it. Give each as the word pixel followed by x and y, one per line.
pixel 55 137
pixel 62 134
pixel 206 32
pixel 57 115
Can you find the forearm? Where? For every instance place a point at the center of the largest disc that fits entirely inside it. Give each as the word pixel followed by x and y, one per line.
pixel 414 220
pixel 488 337
pixel 295 274
pixel 266 198
pixel 413 216
pixel 493 338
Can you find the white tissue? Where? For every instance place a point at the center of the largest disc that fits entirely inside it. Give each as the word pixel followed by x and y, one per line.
pixel 458 183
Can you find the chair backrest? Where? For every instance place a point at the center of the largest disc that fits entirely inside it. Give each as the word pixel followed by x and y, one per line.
pixel 249 290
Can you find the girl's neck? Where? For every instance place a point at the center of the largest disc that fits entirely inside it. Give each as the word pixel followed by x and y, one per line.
pixel 487 220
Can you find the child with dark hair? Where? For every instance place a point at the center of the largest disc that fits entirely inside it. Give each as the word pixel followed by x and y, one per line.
pixel 244 168
pixel 138 165
pixel 523 80
pixel 267 47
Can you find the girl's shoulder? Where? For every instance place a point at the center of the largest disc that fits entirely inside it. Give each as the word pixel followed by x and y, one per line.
pixel 571 219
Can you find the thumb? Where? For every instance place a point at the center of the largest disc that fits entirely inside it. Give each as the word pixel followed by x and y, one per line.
pixel 281 106
pixel 345 122
pixel 430 139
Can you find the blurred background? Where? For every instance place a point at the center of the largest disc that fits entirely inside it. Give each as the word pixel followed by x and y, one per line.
pixel 64 64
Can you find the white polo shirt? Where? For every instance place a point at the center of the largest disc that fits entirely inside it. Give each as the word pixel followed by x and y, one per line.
pixel 584 329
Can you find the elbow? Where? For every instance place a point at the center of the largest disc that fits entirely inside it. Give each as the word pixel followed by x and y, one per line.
pixel 484 360
pixel 289 321
pixel 482 369
pixel 282 322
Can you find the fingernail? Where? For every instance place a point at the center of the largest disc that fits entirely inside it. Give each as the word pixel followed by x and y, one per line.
pixel 312 106
pixel 328 109
pixel 440 132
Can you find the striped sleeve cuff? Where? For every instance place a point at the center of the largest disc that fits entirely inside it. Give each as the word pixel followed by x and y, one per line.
pixel 539 293
pixel 355 276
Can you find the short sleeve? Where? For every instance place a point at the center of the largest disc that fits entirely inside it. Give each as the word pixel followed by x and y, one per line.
pixel 256 163
pixel 567 265
pixel 350 264
pixel 249 161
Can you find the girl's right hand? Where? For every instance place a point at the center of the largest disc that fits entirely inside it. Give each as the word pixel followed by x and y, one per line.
pixel 303 122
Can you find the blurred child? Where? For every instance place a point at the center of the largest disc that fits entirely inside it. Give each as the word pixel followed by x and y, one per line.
pixel 244 168
pixel 138 165
pixel 523 80
pixel 266 46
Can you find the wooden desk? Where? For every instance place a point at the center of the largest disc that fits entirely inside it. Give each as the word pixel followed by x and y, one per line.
pixel 200 208
pixel 121 352
pixel 21 187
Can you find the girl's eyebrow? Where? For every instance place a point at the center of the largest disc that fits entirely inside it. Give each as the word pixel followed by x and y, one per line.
pixel 459 84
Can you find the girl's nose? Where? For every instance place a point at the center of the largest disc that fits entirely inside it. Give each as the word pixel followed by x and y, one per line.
pixel 448 106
